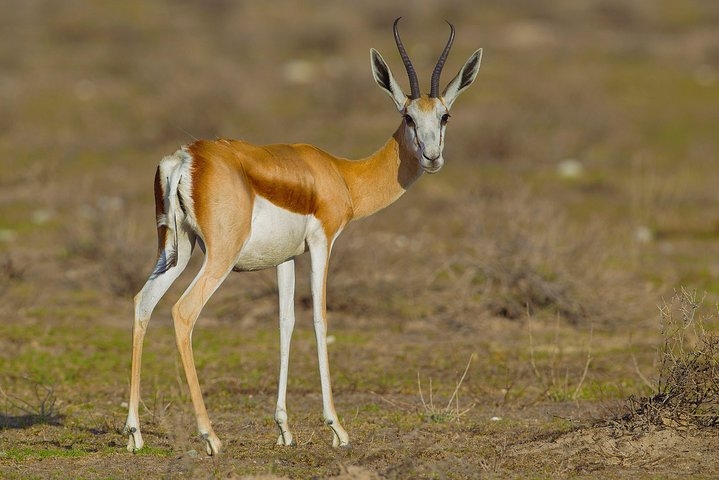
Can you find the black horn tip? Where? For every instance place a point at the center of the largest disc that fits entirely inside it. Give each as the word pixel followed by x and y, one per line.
pixel 413 81
pixel 434 89
pixel 451 31
pixel 395 30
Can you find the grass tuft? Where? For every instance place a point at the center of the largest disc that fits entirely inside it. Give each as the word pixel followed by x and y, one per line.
pixel 450 412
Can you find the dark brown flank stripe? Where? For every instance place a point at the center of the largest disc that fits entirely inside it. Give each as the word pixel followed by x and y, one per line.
pixel 159 210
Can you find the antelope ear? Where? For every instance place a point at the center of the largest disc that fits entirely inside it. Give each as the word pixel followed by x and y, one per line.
pixel 384 78
pixel 464 78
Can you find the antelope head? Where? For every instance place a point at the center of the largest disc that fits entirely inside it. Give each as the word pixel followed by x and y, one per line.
pixel 425 117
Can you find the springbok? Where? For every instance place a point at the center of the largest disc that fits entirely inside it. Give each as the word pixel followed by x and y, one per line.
pixel 252 207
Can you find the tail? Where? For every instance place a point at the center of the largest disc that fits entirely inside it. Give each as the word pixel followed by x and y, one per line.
pixel 170 212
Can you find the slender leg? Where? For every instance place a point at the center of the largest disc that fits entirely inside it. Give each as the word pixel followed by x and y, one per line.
pixel 184 314
pixel 145 303
pixel 286 287
pixel 320 250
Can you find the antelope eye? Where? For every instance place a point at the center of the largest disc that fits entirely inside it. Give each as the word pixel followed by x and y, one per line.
pixel 409 120
pixel 445 118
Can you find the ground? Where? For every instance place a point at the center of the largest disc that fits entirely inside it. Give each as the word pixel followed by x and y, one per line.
pixel 578 195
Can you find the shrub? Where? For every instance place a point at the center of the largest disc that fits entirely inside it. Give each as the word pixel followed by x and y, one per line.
pixel 686 392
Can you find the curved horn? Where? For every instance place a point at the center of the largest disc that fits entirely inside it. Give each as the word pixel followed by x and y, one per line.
pixel 413 81
pixel 434 88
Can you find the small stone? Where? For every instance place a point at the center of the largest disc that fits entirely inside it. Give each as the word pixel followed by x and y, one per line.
pixel 643 234
pixel 495 419
pixel 570 168
pixel 191 453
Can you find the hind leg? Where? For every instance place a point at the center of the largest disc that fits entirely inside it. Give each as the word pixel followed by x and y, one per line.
pixel 145 302
pixel 184 315
pixel 223 204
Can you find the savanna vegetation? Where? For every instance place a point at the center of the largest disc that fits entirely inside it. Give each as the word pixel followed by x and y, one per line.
pixel 544 307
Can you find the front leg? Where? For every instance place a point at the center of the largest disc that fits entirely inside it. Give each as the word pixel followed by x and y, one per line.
pixel 286 287
pixel 320 252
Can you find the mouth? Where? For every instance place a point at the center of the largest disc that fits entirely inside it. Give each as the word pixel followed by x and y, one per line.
pixel 430 166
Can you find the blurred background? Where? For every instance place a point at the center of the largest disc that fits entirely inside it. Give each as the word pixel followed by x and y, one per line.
pixel 580 189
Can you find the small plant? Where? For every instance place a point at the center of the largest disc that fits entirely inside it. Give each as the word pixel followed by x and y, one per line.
pixel 450 412
pixel 686 392
pixel 42 409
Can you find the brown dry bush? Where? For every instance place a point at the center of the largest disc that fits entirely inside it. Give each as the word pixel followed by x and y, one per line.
pixel 520 255
pixel 686 392
pixel 106 235
pixel 528 264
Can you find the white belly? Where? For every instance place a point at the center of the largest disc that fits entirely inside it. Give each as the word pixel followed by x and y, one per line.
pixel 276 235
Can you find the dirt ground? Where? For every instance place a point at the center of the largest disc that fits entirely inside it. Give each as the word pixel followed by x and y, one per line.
pixel 579 193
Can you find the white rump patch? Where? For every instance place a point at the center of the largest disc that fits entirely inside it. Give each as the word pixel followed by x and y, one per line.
pixel 176 169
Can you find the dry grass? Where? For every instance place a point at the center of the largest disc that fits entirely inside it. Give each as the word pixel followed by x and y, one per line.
pixel 451 411
pixel 555 379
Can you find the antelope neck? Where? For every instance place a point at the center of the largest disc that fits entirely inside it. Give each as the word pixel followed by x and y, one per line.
pixel 379 180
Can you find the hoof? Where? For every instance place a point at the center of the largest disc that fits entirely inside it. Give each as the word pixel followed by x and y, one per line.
pixel 337 441
pixel 134 439
pixel 339 437
pixel 286 440
pixel 213 445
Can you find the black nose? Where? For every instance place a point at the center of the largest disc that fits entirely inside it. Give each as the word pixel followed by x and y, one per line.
pixel 430 159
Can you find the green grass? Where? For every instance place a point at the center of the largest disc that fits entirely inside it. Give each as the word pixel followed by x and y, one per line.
pixel 20 454
pixel 152 452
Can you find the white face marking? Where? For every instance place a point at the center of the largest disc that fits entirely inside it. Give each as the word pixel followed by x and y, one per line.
pixel 425 128
pixel 425 117
pixel 275 236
